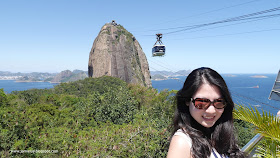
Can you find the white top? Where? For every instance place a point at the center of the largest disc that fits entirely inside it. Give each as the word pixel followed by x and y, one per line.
pixel 214 153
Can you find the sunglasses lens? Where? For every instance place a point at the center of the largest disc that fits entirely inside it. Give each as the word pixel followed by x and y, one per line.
pixel 201 103
pixel 219 103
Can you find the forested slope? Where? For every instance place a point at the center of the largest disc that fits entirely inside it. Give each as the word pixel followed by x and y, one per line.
pixel 94 117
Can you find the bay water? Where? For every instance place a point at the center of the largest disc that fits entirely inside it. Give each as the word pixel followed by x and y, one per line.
pixel 245 89
pixel 12 85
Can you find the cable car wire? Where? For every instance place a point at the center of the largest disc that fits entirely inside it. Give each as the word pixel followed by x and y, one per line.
pixel 168 67
pixel 231 34
pixel 167 75
pixel 243 17
pixel 234 19
pixel 207 12
pixel 165 68
pixel 276 15
pixel 238 100
pixel 254 100
pixel 239 18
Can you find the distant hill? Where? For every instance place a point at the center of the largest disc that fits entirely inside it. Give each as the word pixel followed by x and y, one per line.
pixel 68 76
pixel 163 75
pixel 64 76
pixel 158 77
pixel 167 74
pixel 26 77
pixel 34 74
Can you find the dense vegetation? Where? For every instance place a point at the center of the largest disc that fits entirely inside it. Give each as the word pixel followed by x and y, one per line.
pixel 99 117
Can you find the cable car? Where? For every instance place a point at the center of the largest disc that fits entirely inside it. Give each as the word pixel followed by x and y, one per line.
pixel 158 49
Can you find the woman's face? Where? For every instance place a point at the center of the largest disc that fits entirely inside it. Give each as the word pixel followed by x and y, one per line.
pixel 206 117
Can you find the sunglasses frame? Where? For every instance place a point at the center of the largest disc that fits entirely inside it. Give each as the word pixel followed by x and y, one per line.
pixel 209 102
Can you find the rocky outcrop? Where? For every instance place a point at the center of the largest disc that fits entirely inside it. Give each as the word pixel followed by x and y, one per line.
pixel 116 52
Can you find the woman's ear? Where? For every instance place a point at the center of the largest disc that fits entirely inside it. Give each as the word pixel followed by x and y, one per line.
pixel 187 102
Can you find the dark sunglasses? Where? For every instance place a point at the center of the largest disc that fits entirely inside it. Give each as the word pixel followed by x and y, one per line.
pixel 202 103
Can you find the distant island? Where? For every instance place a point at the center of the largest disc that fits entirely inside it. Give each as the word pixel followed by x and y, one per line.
pixel 259 76
pixel 229 75
pixel 64 76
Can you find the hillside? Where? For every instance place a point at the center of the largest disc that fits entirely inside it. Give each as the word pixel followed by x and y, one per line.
pixel 68 76
pixel 94 117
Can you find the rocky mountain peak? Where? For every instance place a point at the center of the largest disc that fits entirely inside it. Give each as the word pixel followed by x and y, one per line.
pixel 116 52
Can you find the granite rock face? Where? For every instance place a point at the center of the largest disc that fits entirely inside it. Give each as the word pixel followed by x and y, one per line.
pixel 116 52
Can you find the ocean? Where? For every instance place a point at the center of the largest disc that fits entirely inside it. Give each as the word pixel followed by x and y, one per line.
pixel 12 85
pixel 245 89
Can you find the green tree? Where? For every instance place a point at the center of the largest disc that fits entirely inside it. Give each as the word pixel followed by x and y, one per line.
pixel 244 131
pixel 3 98
pixel 116 105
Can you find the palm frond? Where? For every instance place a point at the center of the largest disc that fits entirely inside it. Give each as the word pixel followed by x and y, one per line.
pixel 268 149
pixel 266 123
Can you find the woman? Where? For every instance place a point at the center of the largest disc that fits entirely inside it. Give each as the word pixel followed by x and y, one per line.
pixel 203 123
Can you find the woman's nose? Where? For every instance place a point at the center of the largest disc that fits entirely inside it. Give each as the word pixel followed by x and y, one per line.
pixel 211 109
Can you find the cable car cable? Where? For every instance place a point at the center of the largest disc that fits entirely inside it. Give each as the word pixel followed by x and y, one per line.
pixel 230 34
pixel 243 17
pixel 167 75
pixel 167 67
pixel 234 19
pixel 199 14
pixel 239 100
pixel 278 15
pixel 237 94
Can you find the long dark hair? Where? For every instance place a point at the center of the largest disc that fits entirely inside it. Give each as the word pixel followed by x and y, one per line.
pixel 221 135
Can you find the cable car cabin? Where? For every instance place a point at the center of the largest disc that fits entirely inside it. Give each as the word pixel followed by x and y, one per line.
pixel 158 50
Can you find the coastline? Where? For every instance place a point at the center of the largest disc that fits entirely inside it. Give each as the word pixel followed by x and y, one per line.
pixel 38 81
pixel 18 81
pixel 159 79
pixel 27 81
pixel 7 79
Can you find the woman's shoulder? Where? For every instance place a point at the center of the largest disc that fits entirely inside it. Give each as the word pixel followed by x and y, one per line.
pixel 183 136
pixel 179 145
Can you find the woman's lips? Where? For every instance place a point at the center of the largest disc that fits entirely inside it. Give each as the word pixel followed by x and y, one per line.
pixel 208 118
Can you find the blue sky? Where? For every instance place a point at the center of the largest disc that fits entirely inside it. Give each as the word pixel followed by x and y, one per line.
pixel 55 35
